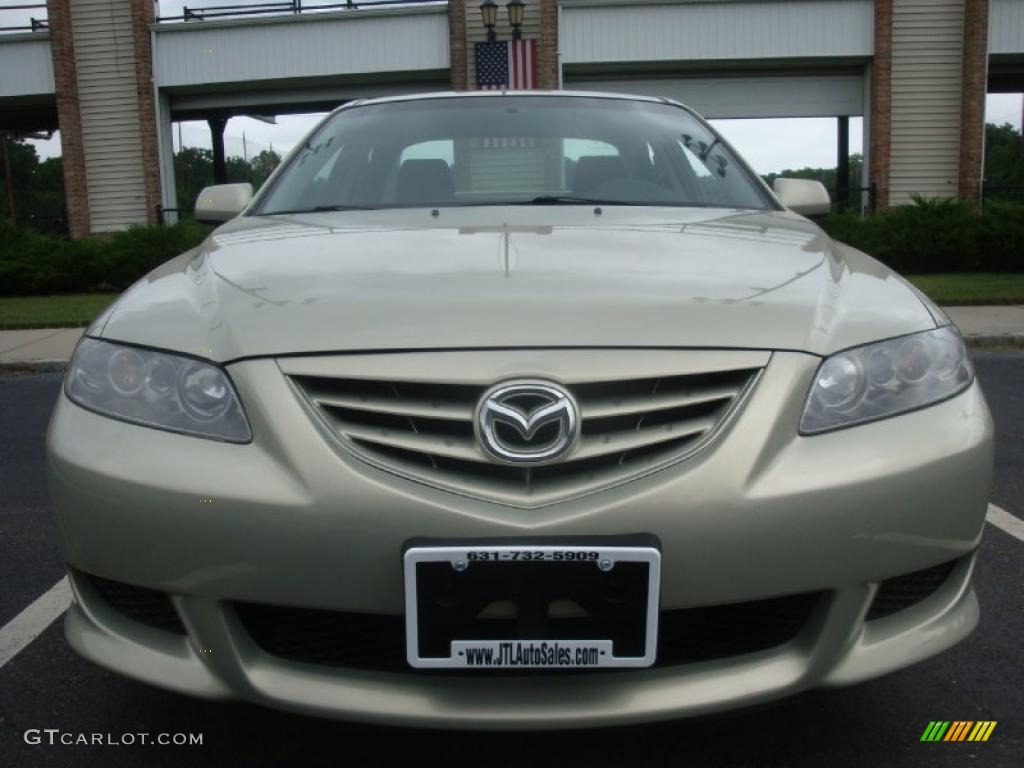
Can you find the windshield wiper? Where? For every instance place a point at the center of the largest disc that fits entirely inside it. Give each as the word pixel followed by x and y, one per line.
pixel 320 209
pixel 573 200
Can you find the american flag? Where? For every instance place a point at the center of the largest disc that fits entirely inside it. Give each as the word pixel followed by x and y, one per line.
pixel 506 64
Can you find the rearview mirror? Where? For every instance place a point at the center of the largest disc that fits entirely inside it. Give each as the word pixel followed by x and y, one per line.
pixel 803 196
pixel 221 202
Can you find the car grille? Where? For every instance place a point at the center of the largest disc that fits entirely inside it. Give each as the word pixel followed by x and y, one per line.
pixel 901 592
pixel 377 642
pixel 147 606
pixel 424 430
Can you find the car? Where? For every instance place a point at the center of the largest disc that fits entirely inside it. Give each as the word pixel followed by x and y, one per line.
pixel 518 410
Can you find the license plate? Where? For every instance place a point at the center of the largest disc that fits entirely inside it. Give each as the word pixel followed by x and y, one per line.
pixel 529 606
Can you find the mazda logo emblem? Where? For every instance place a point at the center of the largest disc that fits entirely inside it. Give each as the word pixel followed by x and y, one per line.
pixel 526 422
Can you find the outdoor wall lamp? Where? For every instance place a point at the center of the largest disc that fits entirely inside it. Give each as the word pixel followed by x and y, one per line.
pixel 515 17
pixel 489 13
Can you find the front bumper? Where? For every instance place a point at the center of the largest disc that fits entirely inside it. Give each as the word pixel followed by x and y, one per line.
pixel 761 513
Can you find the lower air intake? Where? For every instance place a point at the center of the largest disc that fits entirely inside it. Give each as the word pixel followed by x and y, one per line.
pixel 901 592
pixel 377 642
pixel 146 606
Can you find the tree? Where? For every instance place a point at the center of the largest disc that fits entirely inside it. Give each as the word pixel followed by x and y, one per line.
pixel 826 176
pixel 237 170
pixel 38 188
pixel 1004 157
pixel 39 185
pixel 193 170
pixel 263 165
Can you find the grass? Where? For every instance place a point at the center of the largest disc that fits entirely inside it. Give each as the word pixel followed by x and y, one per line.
pixel 69 310
pixel 73 310
pixel 976 288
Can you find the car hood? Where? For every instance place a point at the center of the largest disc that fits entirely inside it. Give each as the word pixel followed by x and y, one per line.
pixel 492 277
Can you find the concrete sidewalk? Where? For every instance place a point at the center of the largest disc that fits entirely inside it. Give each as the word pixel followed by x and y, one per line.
pixel 41 349
pixel 990 326
pixel 50 348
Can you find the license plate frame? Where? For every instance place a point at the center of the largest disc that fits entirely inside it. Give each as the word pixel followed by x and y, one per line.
pixel 478 654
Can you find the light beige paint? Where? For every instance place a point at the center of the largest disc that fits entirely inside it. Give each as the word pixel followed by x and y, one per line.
pixel 629 276
pixel 484 295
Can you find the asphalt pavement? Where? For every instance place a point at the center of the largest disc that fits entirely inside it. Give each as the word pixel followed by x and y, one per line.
pixel 47 686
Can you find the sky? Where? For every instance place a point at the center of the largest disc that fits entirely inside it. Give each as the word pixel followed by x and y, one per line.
pixel 768 145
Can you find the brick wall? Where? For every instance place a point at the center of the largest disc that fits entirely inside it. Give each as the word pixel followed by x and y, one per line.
pixel 880 130
pixel 540 22
pixel 975 86
pixel 65 79
pixel 547 47
pixel 457 44
pixel 142 16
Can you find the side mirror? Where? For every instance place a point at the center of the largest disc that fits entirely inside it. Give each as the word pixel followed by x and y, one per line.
pixel 221 202
pixel 803 196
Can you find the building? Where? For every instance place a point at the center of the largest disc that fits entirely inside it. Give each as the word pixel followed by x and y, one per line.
pixel 113 77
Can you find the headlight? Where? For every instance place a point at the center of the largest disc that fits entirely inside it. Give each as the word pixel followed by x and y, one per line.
pixel 886 378
pixel 156 389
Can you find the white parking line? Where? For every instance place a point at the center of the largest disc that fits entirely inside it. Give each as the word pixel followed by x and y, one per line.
pixel 30 623
pixel 1004 521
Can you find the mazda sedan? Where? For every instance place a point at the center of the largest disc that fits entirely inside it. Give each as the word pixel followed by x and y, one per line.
pixel 518 410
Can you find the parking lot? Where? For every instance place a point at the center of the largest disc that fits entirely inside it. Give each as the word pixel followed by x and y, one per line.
pixel 47 686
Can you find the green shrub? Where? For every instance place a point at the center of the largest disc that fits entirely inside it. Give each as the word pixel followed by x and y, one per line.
pixel 33 263
pixel 1001 238
pixel 932 235
pixel 937 235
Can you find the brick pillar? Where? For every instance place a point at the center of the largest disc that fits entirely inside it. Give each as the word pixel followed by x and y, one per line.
pixel 457 44
pixel 142 16
pixel 547 46
pixel 972 100
pixel 65 78
pixel 880 132
pixel 465 28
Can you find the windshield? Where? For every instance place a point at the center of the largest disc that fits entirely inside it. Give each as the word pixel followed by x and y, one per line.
pixel 512 150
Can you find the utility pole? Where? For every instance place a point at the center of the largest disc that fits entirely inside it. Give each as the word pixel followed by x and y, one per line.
pixel 8 181
pixel 245 159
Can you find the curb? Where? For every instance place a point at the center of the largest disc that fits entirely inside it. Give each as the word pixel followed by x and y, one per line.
pixel 33 366
pixel 995 340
